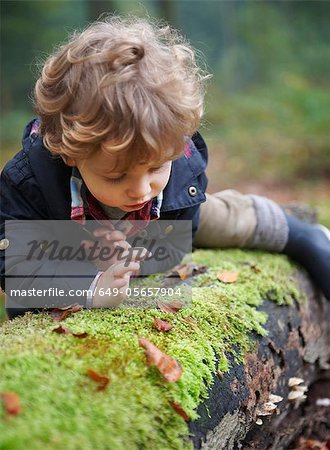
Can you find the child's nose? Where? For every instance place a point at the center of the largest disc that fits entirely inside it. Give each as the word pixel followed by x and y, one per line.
pixel 140 189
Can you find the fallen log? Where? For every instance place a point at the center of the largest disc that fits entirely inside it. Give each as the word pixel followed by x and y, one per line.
pixel 87 382
pixel 270 399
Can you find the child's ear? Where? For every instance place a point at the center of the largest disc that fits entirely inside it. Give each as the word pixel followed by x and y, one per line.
pixel 69 161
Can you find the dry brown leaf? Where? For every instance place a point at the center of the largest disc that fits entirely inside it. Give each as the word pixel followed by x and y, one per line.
pixel 180 410
pixel 227 277
pixel 11 402
pixel 102 381
pixel 168 366
pixel 185 271
pixel 170 307
pixel 59 314
pixel 161 325
pixel 61 330
pixel 255 268
pixel 80 335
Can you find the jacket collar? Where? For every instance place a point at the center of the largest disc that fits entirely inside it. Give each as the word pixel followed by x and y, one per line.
pixel 185 187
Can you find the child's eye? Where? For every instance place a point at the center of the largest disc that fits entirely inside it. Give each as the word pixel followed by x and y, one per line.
pixel 115 180
pixel 158 169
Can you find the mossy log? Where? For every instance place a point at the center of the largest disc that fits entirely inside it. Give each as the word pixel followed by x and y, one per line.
pixel 238 343
pixel 292 362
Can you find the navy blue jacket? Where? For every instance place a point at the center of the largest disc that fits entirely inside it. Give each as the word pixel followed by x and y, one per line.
pixel 36 185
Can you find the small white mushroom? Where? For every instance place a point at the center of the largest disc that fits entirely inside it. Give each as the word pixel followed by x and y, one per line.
pixel 275 398
pixel 267 409
pixel 296 395
pixel 302 389
pixel 323 402
pixel 263 412
pixel 259 422
pixel 295 381
pixel 269 406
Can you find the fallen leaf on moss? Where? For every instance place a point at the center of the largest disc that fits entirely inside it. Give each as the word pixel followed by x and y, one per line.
pixel 161 325
pixel 227 277
pixel 80 335
pixel 100 379
pixel 186 271
pixel 59 314
pixel 255 268
pixel 180 410
pixel 170 307
pixel 168 366
pixel 61 330
pixel 11 402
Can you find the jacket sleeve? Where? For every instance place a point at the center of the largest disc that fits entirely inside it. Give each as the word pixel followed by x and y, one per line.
pixel 24 218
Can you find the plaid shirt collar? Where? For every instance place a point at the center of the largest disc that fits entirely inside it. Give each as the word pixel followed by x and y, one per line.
pixel 85 205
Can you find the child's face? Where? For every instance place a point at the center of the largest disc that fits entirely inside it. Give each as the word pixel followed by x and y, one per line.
pixel 128 191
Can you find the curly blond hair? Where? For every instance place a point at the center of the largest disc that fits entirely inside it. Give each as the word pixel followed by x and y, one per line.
pixel 126 86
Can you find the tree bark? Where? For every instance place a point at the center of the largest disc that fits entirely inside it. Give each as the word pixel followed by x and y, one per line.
pixel 297 345
pixel 97 7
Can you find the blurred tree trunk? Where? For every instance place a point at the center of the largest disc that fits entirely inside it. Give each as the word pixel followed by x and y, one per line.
pixel 167 11
pixel 228 13
pixel 96 7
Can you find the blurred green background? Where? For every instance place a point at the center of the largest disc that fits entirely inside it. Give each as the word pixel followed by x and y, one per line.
pixel 268 104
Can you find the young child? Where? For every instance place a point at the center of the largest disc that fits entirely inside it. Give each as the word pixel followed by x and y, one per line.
pixel 116 137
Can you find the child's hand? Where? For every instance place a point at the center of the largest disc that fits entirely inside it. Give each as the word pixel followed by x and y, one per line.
pixel 111 245
pixel 112 284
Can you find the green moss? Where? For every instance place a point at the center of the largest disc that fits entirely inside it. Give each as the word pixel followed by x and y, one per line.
pixel 61 407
